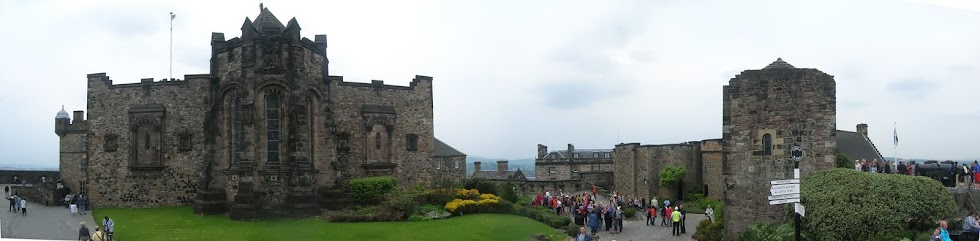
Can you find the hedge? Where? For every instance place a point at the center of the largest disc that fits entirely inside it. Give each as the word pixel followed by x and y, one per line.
pixel 844 204
pixel 480 184
pixel 371 190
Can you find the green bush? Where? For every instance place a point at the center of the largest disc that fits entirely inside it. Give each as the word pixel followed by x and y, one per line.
pixel 415 218
pixel 402 202
pixel 629 213
pixel 844 204
pixel 507 192
pixel 431 208
pixel 769 232
pixel 710 231
pixel 540 214
pixel 371 190
pixel 572 230
pixel 483 185
pixel 671 175
pixel 844 161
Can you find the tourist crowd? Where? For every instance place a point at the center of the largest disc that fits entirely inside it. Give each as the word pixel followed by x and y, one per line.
pixel 608 215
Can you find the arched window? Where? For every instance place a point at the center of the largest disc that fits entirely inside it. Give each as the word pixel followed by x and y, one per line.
pixel 767 144
pixel 236 130
pixel 272 127
pixel 309 121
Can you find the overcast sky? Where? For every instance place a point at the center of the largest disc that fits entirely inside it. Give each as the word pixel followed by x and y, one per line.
pixel 512 74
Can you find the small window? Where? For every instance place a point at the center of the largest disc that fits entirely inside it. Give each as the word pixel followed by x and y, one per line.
pixel 110 143
pixel 456 164
pixel 575 155
pixel 185 142
pixel 575 168
pixel 551 170
pixel 608 154
pixel 595 167
pixel 438 165
pixel 767 145
pixel 595 155
pixel 412 142
pixel 607 167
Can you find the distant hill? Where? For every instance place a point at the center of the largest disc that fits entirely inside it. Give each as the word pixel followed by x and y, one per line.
pixel 525 165
pixel 16 166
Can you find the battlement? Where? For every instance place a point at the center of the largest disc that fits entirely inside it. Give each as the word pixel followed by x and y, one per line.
pixel 104 80
pixel 380 83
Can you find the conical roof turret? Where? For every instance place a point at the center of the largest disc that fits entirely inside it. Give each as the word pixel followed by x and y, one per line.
pixel 62 114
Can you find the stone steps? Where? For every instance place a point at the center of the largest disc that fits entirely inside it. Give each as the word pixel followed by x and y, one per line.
pixel 210 202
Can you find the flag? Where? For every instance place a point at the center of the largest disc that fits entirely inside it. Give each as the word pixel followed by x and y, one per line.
pixel 896 136
pixel 172 16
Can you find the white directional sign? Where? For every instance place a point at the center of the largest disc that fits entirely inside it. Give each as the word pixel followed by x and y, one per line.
pixel 784 201
pixel 784 189
pixel 800 209
pixel 786 181
pixel 786 196
pixel 796 173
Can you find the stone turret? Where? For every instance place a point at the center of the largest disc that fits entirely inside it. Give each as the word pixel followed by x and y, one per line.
pixel 61 122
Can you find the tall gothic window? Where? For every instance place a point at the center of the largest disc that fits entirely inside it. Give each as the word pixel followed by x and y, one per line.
pixel 310 125
pixel 146 141
pixel 377 140
pixel 767 144
pixel 236 131
pixel 272 127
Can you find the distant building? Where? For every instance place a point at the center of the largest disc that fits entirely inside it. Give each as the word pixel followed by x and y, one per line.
pixel 501 174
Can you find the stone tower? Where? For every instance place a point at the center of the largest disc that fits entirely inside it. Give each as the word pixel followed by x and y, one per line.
pixel 267 112
pixel 765 113
pixel 73 148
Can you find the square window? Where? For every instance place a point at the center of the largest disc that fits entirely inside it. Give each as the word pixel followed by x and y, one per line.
pixel 575 155
pixel 456 165
pixel 184 144
pixel 438 165
pixel 110 143
pixel 412 142
pixel 551 170
pixel 595 155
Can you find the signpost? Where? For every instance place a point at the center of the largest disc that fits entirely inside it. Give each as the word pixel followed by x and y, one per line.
pixel 788 190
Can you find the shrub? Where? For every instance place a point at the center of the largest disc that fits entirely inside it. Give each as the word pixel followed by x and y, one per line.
pixel 464 194
pixel 415 218
pixel 710 231
pixel 431 208
pixel 487 203
pixel 371 214
pixel 769 232
pixel 571 230
pixel 543 215
pixel 629 213
pixel 371 190
pixel 508 193
pixel 844 161
pixel 480 184
pixel 843 204
pixel 671 175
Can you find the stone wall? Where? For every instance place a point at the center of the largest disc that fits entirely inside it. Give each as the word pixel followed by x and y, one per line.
pixel 599 178
pixel 562 171
pixel 642 165
pixel 72 155
pixel 791 106
pixel 152 169
pixel 362 111
pixel 32 177
pixel 45 194
pixel 712 178
pixel 450 167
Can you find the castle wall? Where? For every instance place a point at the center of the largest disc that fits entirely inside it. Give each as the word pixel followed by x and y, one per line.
pixel 793 106
pixel 542 170
pixel 644 163
pixel 171 175
pixel 72 157
pixel 711 160
pixel 31 176
pixel 365 111
pixel 450 167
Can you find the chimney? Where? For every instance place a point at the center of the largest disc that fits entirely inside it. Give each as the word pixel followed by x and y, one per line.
pixel 501 166
pixel 571 151
pixel 476 167
pixel 862 129
pixel 542 151
pixel 78 114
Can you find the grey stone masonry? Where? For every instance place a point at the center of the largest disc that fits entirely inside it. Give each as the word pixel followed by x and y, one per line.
pixel 765 113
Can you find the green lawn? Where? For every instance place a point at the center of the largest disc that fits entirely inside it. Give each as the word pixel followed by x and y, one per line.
pixel 179 223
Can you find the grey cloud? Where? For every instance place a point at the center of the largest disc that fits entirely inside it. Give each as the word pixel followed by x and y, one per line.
pixel 913 88
pixel 573 94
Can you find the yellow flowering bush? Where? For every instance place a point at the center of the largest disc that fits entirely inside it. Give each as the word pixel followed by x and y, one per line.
pixel 486 203
pixel 467 194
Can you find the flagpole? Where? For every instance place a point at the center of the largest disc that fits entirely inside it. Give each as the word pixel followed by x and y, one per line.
pixel 896 138
pixel 171 76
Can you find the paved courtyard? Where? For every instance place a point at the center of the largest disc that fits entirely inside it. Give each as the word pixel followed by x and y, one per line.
pixel 42 222
pixel 636 230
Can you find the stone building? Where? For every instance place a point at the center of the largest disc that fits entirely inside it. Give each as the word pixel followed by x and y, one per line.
pixel 261 135
pixel 502 174
pixel 571 169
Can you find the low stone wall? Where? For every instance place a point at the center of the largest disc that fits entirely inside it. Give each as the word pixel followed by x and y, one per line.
pixel 599 178
pixel 46 194
pixel 31 176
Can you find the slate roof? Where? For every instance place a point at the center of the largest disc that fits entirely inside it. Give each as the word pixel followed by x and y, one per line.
pixel 266 21
pixel 779 64
pixel 856 146
pixel 442 149
pixel 582 153
pixel 500 175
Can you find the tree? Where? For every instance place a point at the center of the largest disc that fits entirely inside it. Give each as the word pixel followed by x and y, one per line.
pixel 844 161
pixel 671 175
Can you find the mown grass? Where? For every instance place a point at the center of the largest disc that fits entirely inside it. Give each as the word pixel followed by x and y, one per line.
pixel 179 223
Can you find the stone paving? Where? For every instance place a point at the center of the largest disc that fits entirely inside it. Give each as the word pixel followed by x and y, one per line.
pixel 42 222
pixel 636 230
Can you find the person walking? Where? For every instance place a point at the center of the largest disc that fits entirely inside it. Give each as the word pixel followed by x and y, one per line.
pixel 16 203
pixel 683 218
pixel 6 191
pixel 23 207
pixel 83 233
pixel 582 236
pixel 81 204
pixel 99 235
pixel 676 218
pixel 12 204
pixel 593 222
pixel 664 215
pixel 619 219
pixel 110 228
